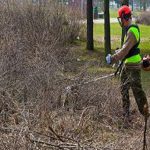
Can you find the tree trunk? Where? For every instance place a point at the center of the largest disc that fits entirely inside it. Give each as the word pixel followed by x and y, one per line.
pixel 140 4
pixel 132 3
pixel 90 45
pixel 144 5
pixel 107 27
pixel 125 2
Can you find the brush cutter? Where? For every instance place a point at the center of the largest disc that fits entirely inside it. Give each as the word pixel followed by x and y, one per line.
pixel 145 65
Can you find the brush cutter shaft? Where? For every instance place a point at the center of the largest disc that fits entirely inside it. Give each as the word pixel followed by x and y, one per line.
pixel 70 87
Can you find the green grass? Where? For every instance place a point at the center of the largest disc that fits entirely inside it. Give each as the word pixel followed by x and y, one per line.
pixel 98 54
pixel 113 13
pixel 116 35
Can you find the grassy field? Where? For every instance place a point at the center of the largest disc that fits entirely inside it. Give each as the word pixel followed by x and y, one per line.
pixel 116 36
pixel 115 42
pixel 113 13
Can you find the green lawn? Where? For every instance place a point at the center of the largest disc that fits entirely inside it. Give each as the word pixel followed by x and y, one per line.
pixel 113 13
pixel 115 42
pixel 116 35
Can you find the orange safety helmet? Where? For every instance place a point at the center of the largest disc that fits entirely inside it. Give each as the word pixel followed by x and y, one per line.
pixel 124 12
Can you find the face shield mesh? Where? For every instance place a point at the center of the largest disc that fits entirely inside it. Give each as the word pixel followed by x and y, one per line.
pixel 120 22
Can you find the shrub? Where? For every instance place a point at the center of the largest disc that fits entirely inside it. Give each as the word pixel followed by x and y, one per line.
pixel 33 50
pixel 144 18
pixel 32 38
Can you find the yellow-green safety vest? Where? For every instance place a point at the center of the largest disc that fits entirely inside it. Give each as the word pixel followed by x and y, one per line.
pixel 134 56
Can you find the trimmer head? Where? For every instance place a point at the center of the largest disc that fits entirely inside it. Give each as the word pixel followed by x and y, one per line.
pixel 146 63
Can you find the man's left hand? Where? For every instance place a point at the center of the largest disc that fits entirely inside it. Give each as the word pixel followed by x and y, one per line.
pixel 108 59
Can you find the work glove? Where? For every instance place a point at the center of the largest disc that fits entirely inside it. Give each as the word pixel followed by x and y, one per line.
pixel 108 59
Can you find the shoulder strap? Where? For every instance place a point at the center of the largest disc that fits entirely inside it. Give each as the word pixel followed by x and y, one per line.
pixel 135 26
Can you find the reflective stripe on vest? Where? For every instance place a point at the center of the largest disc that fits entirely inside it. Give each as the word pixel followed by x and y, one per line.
pixel 136 58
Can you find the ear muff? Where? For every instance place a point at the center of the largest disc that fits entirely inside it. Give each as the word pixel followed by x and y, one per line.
pixel 126 16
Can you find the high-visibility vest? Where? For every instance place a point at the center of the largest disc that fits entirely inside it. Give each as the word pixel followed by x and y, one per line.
pixel 134 54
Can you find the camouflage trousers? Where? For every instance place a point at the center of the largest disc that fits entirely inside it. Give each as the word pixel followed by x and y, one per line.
pixel 131 78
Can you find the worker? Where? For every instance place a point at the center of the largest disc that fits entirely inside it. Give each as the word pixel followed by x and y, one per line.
pixel 129 53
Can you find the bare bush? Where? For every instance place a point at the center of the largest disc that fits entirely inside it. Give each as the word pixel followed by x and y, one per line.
pixel 143 18
pixel 32 55
pixel 32 46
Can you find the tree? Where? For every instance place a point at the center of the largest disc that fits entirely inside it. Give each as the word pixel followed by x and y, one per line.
pixel 144 5
pixel 118 3
pixel 90 45
pixel 107 27
pixel 132 4
pixel 125 2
